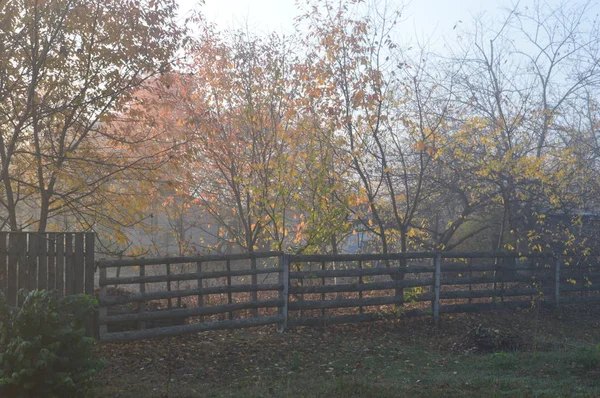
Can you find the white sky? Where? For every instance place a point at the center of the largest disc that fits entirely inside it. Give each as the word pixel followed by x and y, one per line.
pixel 429 22
pixel 422 18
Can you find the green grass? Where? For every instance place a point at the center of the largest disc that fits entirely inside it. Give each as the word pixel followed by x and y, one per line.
pixel 418 373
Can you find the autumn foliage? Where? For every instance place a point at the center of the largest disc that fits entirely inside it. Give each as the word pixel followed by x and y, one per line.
pixel 341 136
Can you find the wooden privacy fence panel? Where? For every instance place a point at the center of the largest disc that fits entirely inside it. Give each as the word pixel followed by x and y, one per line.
pixel 61 261
pixel 288 290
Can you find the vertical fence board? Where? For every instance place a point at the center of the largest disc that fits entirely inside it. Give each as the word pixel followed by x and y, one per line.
pixel 51 244
pixel 32 264
pixel 4 281
pixel 31 261
pixel 60 263
pixel 42 261
pixel 90 238
pixel 78 264
pixel 69 277
pixel 13 269
pixel 22 261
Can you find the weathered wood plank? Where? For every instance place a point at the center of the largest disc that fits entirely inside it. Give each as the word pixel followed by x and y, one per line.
pixel 168 269
pixel 189 312
pixel 569 288
pixel 356 287
pixel 78 264
pixel 42 261
pixel 90 243
pixel 354 272
pixel 182 259
pixel 188 276
pixel 4 281
pixel 479 307
pixel 254 278
pixel 103 310
pixel 60 263
pixel 305 258
pixel 69 276
pixel 228 279
pixel 413 255
pixel 343 303
pixel 494 279
pixel 32 263
pixel 284 261
pixel 200 298
pixel 142 305
pixel 488 293
pixel 195 328
pixel 22 261
pixel 51 244
pixel 131 298
pixel 437 284
pixel 13 269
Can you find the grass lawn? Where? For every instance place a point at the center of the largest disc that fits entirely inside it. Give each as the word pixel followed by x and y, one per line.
pixel 557 358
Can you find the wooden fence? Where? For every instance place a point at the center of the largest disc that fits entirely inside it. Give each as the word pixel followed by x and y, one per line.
pixel 312 290
pixel 62 261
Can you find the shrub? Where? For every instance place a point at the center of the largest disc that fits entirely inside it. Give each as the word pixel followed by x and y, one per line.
pixel 43 347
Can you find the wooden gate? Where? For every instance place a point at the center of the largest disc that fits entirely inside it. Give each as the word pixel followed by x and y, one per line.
pixel 61 261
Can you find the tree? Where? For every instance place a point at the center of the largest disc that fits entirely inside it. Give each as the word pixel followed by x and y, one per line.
pixel 67 69
pixel 517 84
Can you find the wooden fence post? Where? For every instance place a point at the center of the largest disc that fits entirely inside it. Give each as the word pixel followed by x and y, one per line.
pixel 284 262
pixel 437 278
pixel 103 310
pixel 254 279
pixel 142 305
pixel 90 238
pixel 557 281
pixel 3 264
pixel 229 295
pixel 200 298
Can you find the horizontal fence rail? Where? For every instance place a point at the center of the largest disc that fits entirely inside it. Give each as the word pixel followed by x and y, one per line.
pixel 164 294
pixel 176 295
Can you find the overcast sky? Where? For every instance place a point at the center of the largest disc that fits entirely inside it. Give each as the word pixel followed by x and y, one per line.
pixel 429 22
pixel 422 18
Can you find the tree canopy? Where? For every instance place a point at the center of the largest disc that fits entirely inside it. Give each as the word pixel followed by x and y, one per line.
pixel 337 136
